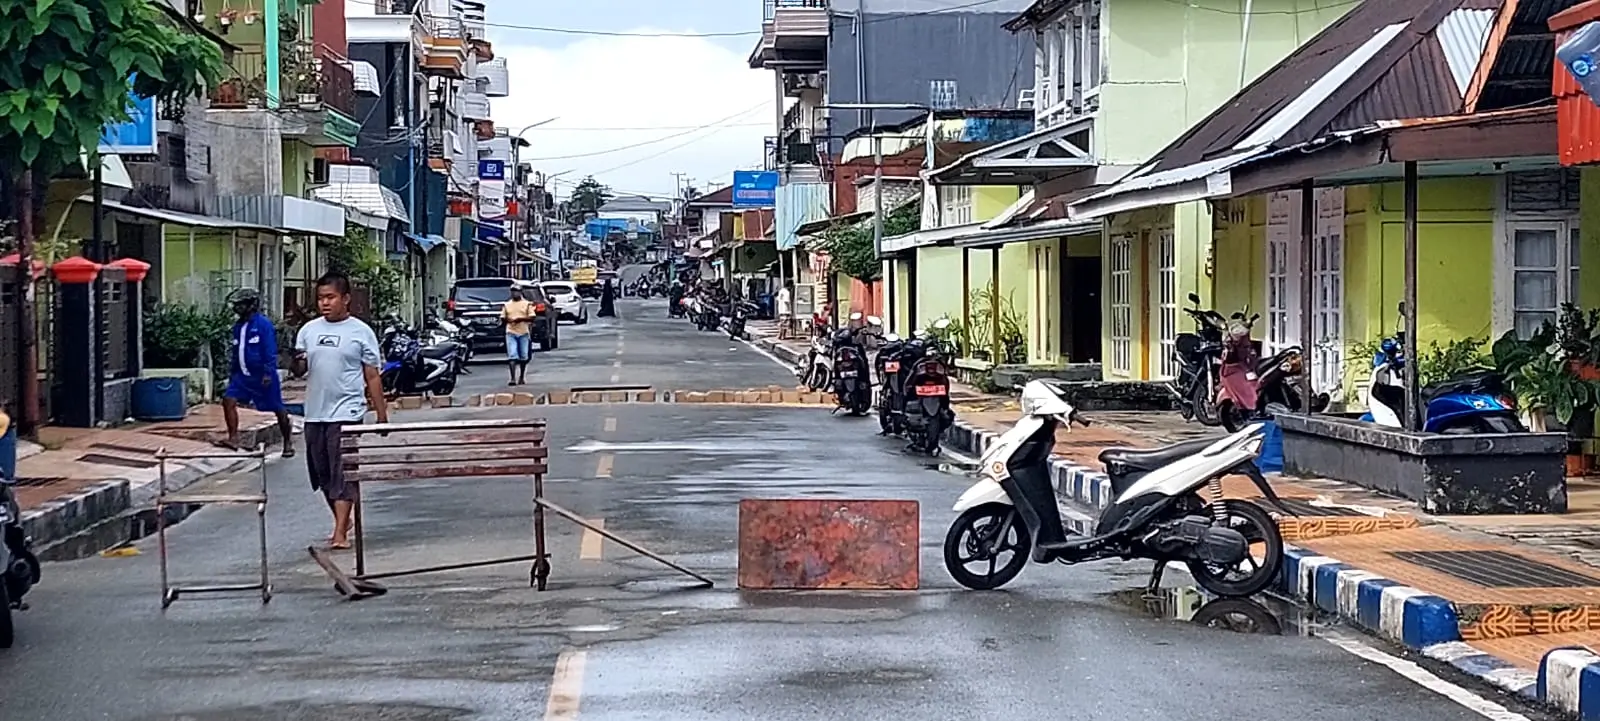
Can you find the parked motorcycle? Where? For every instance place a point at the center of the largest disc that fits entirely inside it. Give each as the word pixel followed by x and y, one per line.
pixel 1470 403
pixel 1199 355
pixel 925 392
pixel 852 383
pixel 816 369
pixel 19 568
pixel 1248 383
pixel 411 368
pixel 891 385
pixel 678 307
pixel 442 331
pixel 1168 507
pixel 740 312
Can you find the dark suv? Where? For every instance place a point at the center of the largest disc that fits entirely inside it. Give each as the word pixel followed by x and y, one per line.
pixel 476 303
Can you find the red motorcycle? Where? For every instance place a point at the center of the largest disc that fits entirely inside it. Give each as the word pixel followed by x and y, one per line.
pixel 1249 383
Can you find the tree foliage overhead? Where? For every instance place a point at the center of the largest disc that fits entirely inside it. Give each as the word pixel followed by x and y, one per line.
pixel 67 72
pixel 586 199
pixel 850 247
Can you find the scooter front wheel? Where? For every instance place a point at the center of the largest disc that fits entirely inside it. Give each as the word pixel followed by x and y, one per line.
pixel 976 554
pixel 1259 568
pixel 8 634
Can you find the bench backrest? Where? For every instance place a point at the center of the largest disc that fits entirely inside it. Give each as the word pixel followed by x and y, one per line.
pixel 444 449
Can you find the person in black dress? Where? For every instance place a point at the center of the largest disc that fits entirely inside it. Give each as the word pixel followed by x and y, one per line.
pixel 608 300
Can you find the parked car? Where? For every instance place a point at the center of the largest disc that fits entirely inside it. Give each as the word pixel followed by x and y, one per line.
pixel 476 304
pixel 569 304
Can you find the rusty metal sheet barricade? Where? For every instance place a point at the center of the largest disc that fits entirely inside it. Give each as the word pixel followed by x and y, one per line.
pixel 399 452
pixel 166 499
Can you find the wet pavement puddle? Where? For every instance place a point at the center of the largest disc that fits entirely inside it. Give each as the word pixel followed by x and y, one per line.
pixel 1260 614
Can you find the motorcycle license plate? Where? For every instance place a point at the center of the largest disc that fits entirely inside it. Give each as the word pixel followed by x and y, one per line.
pixel 932 390
pixel 847 374
pixel 891 366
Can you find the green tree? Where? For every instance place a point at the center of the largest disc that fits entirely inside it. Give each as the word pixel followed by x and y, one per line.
pixel 68 69
pixel 586 200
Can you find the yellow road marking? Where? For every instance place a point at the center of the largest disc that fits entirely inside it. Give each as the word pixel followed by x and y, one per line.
pixel 566 687
pixel 602 468
pixel 591 546
pixel 611 425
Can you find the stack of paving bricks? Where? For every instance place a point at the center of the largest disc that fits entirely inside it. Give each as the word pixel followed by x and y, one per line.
pixel 771 395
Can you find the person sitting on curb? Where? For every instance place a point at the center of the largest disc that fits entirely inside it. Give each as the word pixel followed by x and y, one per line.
pixel 253 370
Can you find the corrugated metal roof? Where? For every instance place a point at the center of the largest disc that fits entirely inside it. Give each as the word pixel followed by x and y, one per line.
pixel 1462 35
pixel 370 198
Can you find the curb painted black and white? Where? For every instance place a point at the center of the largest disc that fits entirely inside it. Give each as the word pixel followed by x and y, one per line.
pixel 1568 679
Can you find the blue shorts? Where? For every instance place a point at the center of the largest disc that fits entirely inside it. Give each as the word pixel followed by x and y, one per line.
pixel 247 391
pixel 519 347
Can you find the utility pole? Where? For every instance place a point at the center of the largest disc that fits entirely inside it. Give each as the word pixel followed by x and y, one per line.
pixel 677 180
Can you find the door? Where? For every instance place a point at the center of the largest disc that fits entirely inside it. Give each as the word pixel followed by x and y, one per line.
pixel 1122 305
pixel 1164 296
pixel 1080 305
pixel 1283 266
pixel 1327 277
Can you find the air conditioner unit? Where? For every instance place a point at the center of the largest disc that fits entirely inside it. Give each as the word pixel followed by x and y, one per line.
pixel 1025 99
pixel 319 171
pixel 809 81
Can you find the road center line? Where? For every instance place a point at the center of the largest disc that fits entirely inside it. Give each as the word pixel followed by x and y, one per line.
pixel 592 545
pixel 611 425
pixel 1422 677
pixel 602 467
pixel 566 686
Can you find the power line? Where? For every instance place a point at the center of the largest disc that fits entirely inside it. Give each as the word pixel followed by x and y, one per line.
pixel 656 127
pixel 730 34
pixel 713 124
pixel 652 156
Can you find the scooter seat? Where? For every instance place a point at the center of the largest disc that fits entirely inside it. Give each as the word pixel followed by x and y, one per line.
pixel 1149 459
pixel 441 351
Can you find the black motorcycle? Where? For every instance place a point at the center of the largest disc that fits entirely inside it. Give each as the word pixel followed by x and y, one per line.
pixel 925 395
pixel 1199 356
pixel 739 313
pixel 410 368
pixel 852 376
pixel 19 568
pixel 891 385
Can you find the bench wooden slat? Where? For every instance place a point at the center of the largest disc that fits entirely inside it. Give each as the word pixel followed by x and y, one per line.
pixel 437 439
pixel 202 499
pixel 422 472
pixel 410 455
pixel 443 426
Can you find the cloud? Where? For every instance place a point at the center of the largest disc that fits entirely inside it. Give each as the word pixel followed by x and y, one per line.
pixel 637 82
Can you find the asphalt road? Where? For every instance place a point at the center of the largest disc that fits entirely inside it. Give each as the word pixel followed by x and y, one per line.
pixel 617 637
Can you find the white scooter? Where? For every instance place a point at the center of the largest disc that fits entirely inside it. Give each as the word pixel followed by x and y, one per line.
pixel 1168 507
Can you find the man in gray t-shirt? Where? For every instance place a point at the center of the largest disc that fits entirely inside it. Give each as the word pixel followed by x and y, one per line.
pixel 340 357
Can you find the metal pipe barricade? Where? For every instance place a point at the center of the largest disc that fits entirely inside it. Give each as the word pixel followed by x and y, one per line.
pixel 165 499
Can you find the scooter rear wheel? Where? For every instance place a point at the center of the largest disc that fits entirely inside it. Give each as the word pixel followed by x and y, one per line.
pixel 968 538
pixel 8 632
pixel 1259 569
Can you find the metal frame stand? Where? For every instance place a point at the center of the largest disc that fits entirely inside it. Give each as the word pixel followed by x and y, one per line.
pixel 171 592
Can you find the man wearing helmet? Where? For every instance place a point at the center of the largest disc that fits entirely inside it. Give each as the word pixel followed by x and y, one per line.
pixel 253 369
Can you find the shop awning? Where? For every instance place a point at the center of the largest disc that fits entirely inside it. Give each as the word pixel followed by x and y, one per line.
pixel 426 242
pixel 184 219
pixel 370 198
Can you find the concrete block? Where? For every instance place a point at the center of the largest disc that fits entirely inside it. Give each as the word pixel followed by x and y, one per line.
pixel 504 399
pixel 790 397
pixel 693 397
pixel 558 398
pixel 474 401
pixel 616 396
pixel 522 399
pixel 829 543
pixel 718 397
pixel 441 401
pixel 410 403
pixel 591 397
pixel 644 397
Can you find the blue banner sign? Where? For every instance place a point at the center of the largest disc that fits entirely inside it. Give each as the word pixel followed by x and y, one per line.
pixel 492 170
pixel 137 136
pixel 755 188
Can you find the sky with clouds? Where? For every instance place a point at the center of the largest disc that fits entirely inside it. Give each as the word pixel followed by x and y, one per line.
pixel 645 89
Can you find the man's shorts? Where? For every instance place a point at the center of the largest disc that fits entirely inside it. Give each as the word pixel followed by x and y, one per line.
pixel 247 391
pixel 519 347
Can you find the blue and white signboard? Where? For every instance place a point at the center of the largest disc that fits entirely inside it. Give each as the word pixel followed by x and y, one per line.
pixel 755 188
pixel 138 135
pixel 491 189
pixel 491 170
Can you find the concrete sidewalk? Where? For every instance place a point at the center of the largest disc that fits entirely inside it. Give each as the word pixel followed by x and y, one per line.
pixel 78 478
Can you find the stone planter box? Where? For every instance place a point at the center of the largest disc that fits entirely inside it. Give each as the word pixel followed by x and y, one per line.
pixel 1445 474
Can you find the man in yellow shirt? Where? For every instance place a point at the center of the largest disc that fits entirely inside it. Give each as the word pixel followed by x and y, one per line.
pixel 518 315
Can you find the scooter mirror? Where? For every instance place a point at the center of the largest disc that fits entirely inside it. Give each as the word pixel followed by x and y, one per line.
pixel 1194 298
pixel 1237 316
pixel 855 316
pixel 892 338
pixel 1255 318
pixel 874 321
pixel 941 324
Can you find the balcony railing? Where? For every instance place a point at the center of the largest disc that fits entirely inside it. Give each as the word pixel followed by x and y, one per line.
pixel 769 8
pixel 308 76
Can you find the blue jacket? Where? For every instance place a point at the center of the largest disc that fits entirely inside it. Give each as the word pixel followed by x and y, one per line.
pixel 254 347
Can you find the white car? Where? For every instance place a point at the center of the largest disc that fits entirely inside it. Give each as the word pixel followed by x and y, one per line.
pixel 569 305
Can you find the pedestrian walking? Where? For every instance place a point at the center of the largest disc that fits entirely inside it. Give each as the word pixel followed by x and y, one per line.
pixel 340 357
pixel 518 314
pixel 608 300
pixel 253 370
pixel 785 301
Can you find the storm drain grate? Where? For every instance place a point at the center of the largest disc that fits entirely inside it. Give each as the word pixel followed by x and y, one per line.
pixel 109 460
pixel 1302 507
pixel 1497 569
pixel 40 481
